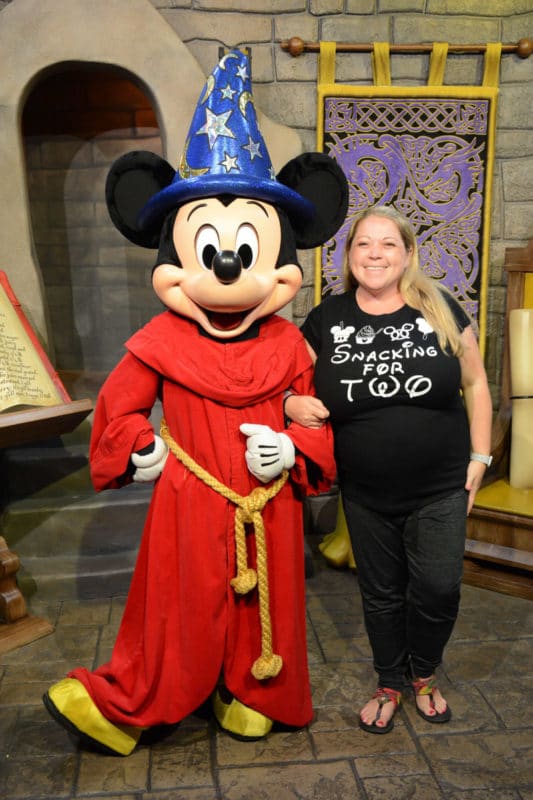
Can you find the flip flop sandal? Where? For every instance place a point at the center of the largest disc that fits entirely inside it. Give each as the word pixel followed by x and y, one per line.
pixel 425 687
pixel 383 696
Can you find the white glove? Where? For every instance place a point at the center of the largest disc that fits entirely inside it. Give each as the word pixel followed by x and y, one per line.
pixel 150 466
pixel 267 453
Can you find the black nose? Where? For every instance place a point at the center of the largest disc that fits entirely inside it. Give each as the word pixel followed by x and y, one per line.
pixel 227 266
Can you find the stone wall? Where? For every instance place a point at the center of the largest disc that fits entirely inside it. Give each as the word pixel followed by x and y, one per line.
pixel 285 88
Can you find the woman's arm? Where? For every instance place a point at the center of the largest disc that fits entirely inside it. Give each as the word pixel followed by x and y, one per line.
pixel 306 410
pixel 478 408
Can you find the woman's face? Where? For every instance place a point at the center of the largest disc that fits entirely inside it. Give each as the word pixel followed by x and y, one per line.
pixel 377 255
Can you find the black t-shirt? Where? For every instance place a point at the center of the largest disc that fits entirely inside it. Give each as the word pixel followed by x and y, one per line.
pixel 401 430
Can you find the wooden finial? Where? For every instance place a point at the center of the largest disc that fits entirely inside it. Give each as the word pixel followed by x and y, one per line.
pixel 295 46
pixel 524 48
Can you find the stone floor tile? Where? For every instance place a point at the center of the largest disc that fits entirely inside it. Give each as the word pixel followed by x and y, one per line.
pixel 8 720
pixel 319 781
pixel 495 620
pixel 37 671
pixel 118 603
pixel 338 607
pixel 92 612
pixel 342 684
pixel 37 734
pixel 480 660
pixel 412 787
pixel 279 747
pixel 334 718
pixel 335 648
pixel 105 774
pixel 23 694
pixel 487 794
pixel 187 763
pixel 67 642
pixel 314 650
pixel 357 743
pixel 328 581
pixel 398 764
pixel 41 777
pixel 113 796
pixel 483 760
pixel 511 701
pixel 207 793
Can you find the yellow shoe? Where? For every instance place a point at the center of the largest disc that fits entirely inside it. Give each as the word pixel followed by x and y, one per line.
pixel 71 705
pixel 240 720
pixel 336 546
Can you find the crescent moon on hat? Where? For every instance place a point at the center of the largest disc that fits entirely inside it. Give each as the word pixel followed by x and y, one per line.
pixel 244 99
pixel 222 62
pixel 208 88
pixel 185 170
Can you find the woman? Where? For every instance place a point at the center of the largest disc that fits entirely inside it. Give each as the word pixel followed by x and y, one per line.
pixel 392 356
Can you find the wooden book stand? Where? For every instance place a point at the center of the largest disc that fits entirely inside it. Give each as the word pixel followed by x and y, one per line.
pixel 17 427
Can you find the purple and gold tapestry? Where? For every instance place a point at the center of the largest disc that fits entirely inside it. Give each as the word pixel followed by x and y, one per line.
pixel 428 151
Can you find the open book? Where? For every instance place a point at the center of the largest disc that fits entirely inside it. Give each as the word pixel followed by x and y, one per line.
pixel 33 401
pixel 27 378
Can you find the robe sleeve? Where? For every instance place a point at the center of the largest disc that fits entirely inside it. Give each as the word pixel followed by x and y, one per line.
pixel 121 425
pixel 315 469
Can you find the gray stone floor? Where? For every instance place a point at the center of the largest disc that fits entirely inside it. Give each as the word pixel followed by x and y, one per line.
pixel 484 753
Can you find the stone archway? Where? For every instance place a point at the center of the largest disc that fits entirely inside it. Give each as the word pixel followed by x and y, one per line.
pixel 127 34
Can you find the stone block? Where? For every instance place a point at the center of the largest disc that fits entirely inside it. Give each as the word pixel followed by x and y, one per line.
pixel 475 7
pixel 291 104
pixel 302 25
pixel 514 142
pixel 234 27
pixel 301 68
pixel 360 6
pixel 353 68
pixel 514 108
pixel 412 28
pixel 517 185
pixel 255 6
pixel 517 220
pixel 355 29
pixel 320 7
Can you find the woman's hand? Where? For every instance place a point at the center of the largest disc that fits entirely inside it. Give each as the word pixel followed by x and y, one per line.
pixel 474 476
pixel 306 410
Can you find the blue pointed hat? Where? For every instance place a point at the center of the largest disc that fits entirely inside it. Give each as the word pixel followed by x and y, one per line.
pixel 225 152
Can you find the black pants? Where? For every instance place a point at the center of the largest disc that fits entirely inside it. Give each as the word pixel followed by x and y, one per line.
pixel 409 569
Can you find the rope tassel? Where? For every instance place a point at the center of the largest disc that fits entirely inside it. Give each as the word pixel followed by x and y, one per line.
pixel 249 511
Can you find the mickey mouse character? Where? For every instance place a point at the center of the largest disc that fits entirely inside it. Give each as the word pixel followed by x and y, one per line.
pixel 216 605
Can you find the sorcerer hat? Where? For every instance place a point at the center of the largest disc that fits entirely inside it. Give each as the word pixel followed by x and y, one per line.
pixel 224 151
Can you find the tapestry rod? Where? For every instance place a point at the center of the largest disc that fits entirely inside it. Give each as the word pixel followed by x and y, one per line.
pixel 296 46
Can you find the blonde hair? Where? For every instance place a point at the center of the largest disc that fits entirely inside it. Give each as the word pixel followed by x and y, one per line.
pixel 417 289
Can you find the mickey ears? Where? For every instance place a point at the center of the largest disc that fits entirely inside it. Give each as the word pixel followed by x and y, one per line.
pixel 132 180
pixel 136 177
pixel 318 178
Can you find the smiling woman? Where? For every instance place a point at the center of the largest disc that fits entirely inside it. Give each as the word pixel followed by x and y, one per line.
pixel 399 373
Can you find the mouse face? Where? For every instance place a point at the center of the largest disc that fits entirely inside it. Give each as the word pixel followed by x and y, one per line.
pixel 227 274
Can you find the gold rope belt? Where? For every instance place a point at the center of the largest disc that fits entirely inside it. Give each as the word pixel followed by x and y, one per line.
pixel 248 510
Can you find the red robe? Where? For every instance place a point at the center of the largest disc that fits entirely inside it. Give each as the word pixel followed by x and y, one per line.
pixel 183 624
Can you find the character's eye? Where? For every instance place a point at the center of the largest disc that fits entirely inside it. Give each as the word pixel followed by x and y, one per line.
pixel 207 245
pixel 247 245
